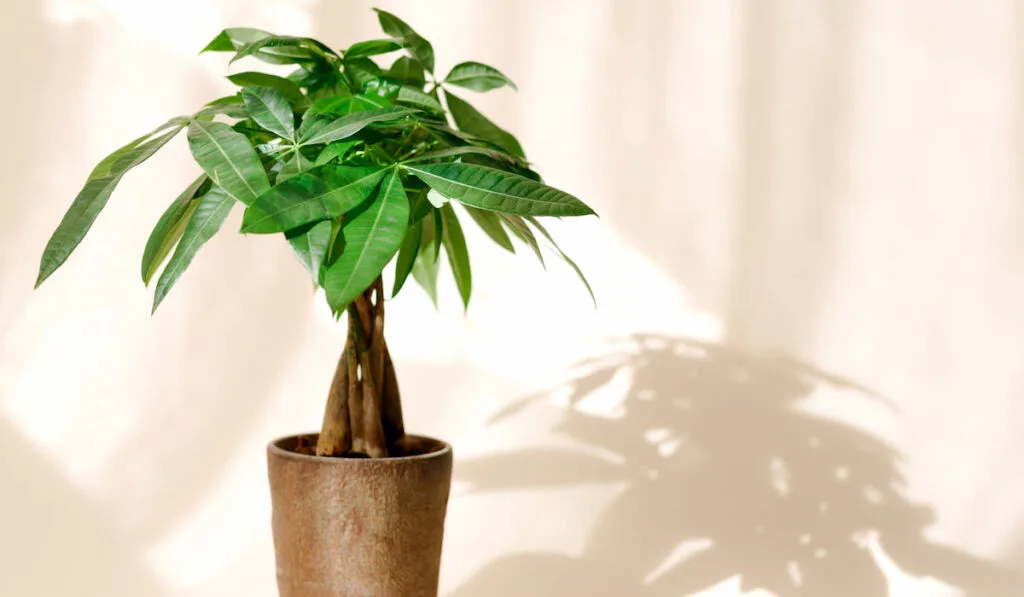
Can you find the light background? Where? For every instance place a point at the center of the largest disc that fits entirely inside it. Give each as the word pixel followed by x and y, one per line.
pixel 839 182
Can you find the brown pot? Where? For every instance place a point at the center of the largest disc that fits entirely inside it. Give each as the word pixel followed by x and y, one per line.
pixel 357 527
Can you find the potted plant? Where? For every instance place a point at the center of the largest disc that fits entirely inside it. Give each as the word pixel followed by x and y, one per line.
pixel 357 166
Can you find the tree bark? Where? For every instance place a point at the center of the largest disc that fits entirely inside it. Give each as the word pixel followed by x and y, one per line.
pixel 364 410
pixel 336 434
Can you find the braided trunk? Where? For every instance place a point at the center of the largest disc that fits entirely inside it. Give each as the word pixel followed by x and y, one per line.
pixel 363 416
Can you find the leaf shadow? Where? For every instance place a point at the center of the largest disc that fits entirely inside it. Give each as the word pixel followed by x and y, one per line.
pixel 719 456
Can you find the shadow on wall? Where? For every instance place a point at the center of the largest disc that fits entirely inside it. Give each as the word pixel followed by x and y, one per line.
pixel 787 501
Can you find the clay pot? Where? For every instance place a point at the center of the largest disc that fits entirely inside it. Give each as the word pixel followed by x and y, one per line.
pixel 357 527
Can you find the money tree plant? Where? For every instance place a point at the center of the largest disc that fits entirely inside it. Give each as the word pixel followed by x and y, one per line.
pixel 356 165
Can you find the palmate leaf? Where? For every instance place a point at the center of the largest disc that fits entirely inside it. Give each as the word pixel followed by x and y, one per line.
pixel 373 234
pixel 458 255
pixel 470 120
pixel 334 151
pixel 322 193
pixel 490 223
pixel 91 200
pixel 346 126
pixel 232 39
pixel 408 70
pixel 566 258
pixel 297 164
pixel 417 46
pixel 426 264
pixel 372 47
pixel 497 190
pixel 419 205
pixel 328 109
pixel 478 77
pixel 320 80
pixel 359 71
pixel 334 107
pixel 271 110
pixel 406 256
pixel 494 154
pixel 309 244
pixel 522 231
pixel 258 79
pixel 228 159
pixel 414 97
pixel 287 49
pixel 229 105
pixel 438 235
pixel 207 219
pixel 169 228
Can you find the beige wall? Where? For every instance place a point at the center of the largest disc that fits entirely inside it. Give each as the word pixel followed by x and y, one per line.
pixel 837 182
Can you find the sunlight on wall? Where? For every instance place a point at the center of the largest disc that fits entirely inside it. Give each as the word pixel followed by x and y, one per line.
pixel 184 26
pixel 834 182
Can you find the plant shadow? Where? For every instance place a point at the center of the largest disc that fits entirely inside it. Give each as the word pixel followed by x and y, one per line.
pixel 727 477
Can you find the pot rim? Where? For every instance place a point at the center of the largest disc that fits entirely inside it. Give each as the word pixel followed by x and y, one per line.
pixel 275 449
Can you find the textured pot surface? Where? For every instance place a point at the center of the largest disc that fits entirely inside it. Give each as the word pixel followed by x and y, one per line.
pixel 354 527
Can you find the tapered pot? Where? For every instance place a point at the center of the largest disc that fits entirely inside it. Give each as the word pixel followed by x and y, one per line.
pixel 359 527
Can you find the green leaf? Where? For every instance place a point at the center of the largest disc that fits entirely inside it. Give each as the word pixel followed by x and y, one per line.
pixel 519 228
pixel 324 111
pixel 458 255
pixel 415 97
pixel 271 110
pixel 169 229
pixel 490 223
pixel 565 257
pixel 228 159
pixel 321 193
pixel 230 40
pixel 424 269
pixel 478 77
pixel 209 215
pixel 361 70
pixel 227 100
pixel 417 46
pixel 227 106
pixel 419 205
pixel 408 70
pixel 438 233
pixel 494 154
pixel 335 247
pixel 497 190
pixel 286 49
pixel 309 244
pixel 258 79
pixel 372 47
pixel 344 105
pixel 93 197
pixel 320 80
pixel 296 165
pixel 406 256
pixel 470 120
pixel 334 151
pixel 372 236
pixel 381 87
pixel 346 126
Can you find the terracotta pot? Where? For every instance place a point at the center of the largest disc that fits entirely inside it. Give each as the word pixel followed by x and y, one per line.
pixel 356 527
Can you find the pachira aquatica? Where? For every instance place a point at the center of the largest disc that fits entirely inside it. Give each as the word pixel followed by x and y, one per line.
pixel 359 157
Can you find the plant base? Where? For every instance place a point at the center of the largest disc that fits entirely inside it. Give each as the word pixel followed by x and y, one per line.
pixel 348 527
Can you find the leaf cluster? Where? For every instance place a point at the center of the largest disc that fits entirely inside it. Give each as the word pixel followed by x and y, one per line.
pixel 356 163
